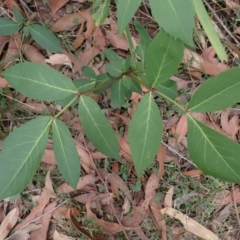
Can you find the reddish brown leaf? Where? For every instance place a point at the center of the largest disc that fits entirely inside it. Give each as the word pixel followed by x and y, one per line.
pixel 161 158
pixel 65 212
pixel 55 5
pixel 181 128
pixel 33 54
pixel 8 223
pixel 192 173
pixel 168 197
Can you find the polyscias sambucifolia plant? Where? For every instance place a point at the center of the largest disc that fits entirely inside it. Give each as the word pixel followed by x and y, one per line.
pixel 152 63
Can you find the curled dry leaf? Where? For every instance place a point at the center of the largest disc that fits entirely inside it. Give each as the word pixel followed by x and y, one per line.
pixel 202 64
pixel 78 226
pixel 55 5
pixel 32 53
pixel 168 202
pixel 108 227
pixel 64 212
pixel 86 161
pixel 24 233
pixel 192 173
pixel 83 181
pixel 115 182
pixel 41 233
pixel 8 223
pixel 59 58
pixel 181 128
pixel 49 187
pixel 38 210
pixel 190 224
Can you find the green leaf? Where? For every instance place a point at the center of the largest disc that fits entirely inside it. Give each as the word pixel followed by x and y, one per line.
pixel 131 85
pixel 65 152
pixel 176 17
pixel 209 29
pixel 21 154
pixel 101 14
pixel 217 93
pixel 145 133
pixel 18 16
pixel 8 27
pixel 45 38
pixel 118 94
pixel 168 88
pixel 112 56
pixel 163 58
pixel 125 11
pixel 97 128
pixel 214 153
pixel 82 85
pixel 102 79
pixel 144 41
pixel 39 81
pixel 89 72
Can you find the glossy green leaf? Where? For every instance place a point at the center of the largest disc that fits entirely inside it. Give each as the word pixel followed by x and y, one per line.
pixel 214 153
pixel 145 133
pixel 18 16
pixel 209 29
pixel 163 58
pixel 217 93
pixel 45 38
pixel 97 128
pixel 118 94
pixel 125 12
pixel 176 17
pixel 82 85
pixel 21 154
pixel 168 88
pixel 65 153
pixel 144 41
pixel 102 12
pixel 8 27
pixel 39 81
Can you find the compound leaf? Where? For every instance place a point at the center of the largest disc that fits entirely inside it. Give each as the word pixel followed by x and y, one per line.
pixel 8 27
pixel 39 81
pixel 21 154
pixel 163 58
pixel 217 93
pixel 145 133
pixel 45 38
pixel 97 128
pixel 65 153
pixel 214 153
pixel 125 11
pixel 176 17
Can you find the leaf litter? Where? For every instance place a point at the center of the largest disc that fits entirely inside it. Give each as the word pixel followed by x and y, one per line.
pixel 89 43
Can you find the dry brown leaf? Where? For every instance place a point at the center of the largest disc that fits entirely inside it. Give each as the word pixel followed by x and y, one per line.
pixel 181 128
pixel 24 233
pixel 234 196
pixel 161 158
pixel 202 64
pixel 55 5
pixel 108 227
pixel 41 233
pixel 117 41
pixel 86 161
pixel 31 107
pixel 99 39
pixel 124 145
pixel 60 236
pixel 59 58
pixel 4 83
pixel 78 226
pixel 81 36
pixel 168 202
pixel 140 233
pixel 64 212
pixel 83 181
pixel 98 155
pixel 33 54
pixel 232 4
pixel 86 58
pixel 8 223
pixel 11 4
pixel 2 213
pixel 49 187
pixel 116 182
pixel 48 157
pixel 190 224
pixel 84 197
pixel 192 173
pixel 37 210
pixel 231 126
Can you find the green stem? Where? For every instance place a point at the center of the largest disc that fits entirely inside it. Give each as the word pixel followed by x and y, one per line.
pixel 158 92
pixel 131 47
